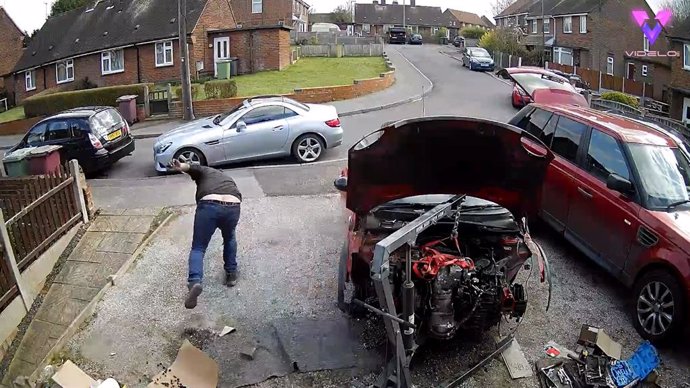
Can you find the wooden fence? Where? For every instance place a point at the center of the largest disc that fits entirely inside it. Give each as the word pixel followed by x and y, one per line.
pixel 35 211
pixel 598 81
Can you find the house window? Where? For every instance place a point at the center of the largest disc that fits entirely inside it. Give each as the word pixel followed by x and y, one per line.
pixel 583 24
pixel 112 62
pixel 645 70
pixel 563 55
pixel 645 43
pixel 366 28
pixel 257 6
pixel 30 80
pixel 534 26
pixel 434 30
pixel 64 71
pixel 547 26
pixel 568 25
pixel 164 53
pixel 686 56
pixel 609 65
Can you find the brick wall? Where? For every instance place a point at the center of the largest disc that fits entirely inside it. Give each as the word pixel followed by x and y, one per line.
pixel 260 49
pixel 680 78
pixel 274 11
pixel 217 15
pixel 308 95
pixel 11 44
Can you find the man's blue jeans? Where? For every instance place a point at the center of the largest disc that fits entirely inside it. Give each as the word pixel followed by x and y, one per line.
pixel 209 217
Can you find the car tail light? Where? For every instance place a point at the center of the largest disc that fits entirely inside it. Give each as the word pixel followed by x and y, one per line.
pixel 125 129
pixel 333 123
pixel 95 142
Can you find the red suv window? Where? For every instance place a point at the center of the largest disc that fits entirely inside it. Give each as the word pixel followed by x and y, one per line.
pixel 605 157
pixel 566 140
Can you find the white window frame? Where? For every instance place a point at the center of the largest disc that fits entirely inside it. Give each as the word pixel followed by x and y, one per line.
pixel 686 56
pixel 645 43
pixel 558 54
pixel 583 24
pixel 167 45
pixel 257 6
pixel 534 26
pixel 69 64
pixel 434 30
pixel 547 25
pixel 30 80
pixel 366 27
pixel 107 55
pixel 568 21
pixel 645 70
pixel 609 61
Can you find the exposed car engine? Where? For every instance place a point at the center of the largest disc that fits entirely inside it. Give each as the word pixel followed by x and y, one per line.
pixel 463 267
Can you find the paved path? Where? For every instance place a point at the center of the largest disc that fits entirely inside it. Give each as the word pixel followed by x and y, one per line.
pixel 108 244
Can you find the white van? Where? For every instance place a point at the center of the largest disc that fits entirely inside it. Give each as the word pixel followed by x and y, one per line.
pixel 325 27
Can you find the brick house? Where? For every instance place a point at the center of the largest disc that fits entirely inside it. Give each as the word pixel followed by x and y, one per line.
pixel 679 38
pixel 11 44
pixel 377 18
pixel 117 42
pixel 594 34
pixel 457 20
pixel 290 13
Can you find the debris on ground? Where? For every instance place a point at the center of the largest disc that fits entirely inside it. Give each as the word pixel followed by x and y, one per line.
pixel 70 376
pixel 597 362
pixel 516 362
pixel 226 330
pixel 192 368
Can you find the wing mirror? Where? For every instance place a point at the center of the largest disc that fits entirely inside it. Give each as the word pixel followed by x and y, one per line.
pixel 617 183
pixel 341 183
pixel 241 126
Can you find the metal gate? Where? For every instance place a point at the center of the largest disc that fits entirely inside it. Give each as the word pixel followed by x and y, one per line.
pixel 158 101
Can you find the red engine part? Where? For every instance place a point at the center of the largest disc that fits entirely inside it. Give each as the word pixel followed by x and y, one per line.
pixel 428 266
pixel 507 300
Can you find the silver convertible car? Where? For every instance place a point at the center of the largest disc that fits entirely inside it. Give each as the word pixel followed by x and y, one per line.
pixel 259 128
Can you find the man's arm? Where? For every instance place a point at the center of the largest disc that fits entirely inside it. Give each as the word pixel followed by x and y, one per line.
pixel 193 170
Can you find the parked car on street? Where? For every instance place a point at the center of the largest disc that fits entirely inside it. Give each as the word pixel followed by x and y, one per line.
pixel 619 190
pixel 477 58
pixel 458 41
pixel 259 128
pixel 96 136
pixel 397 35
pixel 539 85
pixel 416 39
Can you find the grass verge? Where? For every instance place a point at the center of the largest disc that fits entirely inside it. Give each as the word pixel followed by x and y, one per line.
pixel 16 113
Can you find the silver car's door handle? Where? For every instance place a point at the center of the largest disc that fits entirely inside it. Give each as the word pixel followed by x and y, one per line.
pixel 278 128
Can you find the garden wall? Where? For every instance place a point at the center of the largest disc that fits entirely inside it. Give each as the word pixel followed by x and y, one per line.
pixel 18 127
pixel 306 95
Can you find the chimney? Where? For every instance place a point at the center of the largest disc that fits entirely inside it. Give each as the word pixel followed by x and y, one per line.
pixel 413 3
pixel 383 2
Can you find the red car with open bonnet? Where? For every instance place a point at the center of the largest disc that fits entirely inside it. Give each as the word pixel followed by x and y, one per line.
pixel 542 86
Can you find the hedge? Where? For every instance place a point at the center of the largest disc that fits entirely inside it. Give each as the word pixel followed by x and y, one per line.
pixel 54 103
pixel 220 89
pixel 196 92
pixel 621 97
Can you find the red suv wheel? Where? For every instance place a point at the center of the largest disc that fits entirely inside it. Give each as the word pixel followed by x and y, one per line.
pixel 659 308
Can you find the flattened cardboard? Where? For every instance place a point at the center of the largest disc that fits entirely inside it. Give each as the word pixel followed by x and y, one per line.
pixel 516 362
pixel 70 376
pixel 192 368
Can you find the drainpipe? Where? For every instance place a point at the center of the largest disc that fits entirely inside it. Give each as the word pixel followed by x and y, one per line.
pixel 139 65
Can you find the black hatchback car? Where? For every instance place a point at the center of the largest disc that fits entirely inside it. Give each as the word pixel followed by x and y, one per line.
pixel 95 136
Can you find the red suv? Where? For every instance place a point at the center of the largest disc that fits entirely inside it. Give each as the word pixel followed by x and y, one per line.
pixel 618 190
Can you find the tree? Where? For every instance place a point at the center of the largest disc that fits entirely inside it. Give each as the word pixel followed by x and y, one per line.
pixel 499 6
pixel 680 8
pixel 61 6
pixel 501 40
pixel 473 32
pixel 342 14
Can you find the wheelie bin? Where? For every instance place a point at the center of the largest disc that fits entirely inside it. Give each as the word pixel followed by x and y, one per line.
pixel 16 163
pixel 44 160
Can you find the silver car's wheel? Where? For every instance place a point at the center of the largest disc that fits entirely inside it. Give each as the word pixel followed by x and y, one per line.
pixel 191 156
pixel 308 148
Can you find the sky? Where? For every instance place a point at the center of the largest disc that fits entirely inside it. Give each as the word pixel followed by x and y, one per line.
pixel 31 14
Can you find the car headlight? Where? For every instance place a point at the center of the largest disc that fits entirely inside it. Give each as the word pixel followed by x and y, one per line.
pixel 474 60
pixel 160 148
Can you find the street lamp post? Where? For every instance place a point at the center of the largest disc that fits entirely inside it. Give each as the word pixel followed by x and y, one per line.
pixel 404 21
pixel 188 109
pixel 543 36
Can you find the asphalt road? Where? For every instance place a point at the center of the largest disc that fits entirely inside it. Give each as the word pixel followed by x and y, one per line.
pixel 457 91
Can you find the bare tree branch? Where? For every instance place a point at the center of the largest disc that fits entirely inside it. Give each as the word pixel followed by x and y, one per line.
pixel 680 8
pixel 499 6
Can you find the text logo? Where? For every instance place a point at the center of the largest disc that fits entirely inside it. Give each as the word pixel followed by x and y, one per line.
pixel 642 18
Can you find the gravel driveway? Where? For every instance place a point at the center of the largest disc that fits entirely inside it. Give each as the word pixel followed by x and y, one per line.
pixel 288 252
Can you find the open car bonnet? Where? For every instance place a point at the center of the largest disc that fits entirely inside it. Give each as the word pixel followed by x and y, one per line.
pixel 447 155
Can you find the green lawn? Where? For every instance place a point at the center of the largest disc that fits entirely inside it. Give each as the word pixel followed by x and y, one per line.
pixel 12 114
pixel 307 73
pixel 310 72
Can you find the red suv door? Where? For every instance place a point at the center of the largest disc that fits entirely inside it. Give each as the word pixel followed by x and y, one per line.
pixel 603 222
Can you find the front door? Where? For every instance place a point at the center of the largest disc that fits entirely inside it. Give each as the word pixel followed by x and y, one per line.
pixel 221 52
pixel 686 110
pixel 604 222
pixel 630 73
pixel 265 134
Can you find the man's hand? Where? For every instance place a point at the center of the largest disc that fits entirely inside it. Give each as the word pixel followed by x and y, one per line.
pixel 178 166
